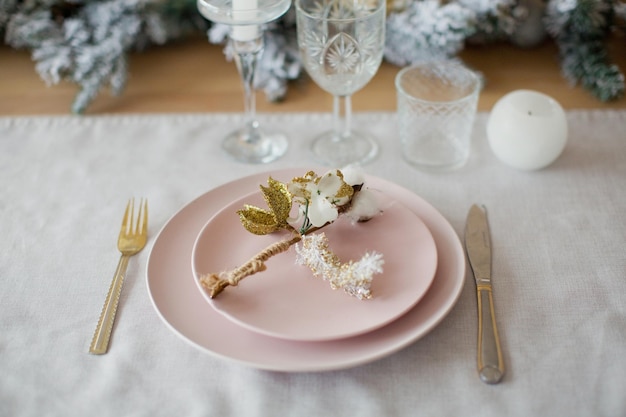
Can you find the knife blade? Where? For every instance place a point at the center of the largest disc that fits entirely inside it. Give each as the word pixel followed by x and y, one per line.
pixel 478 247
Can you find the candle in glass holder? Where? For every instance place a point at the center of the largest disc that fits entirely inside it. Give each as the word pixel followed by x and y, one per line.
pixel 527 129
pixel 244 10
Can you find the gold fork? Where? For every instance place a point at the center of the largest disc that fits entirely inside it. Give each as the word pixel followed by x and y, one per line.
pixel 132 239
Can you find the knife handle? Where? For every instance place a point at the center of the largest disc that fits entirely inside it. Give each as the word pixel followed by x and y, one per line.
pixel 490 363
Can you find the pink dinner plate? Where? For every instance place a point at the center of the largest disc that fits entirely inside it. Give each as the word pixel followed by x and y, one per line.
pixel 288 302
pixel 184 310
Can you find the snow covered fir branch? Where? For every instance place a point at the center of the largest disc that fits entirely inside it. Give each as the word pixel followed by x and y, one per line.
pixel 580 29
pixel 87 42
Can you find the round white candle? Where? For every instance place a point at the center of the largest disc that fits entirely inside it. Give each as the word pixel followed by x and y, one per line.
pixel 243 10
pixel 527 129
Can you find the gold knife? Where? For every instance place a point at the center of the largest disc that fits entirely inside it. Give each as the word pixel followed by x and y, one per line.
pixel 478 246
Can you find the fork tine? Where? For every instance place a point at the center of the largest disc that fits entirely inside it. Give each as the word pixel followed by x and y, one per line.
pixel 131 221
pixel 143 213
pixel 127 221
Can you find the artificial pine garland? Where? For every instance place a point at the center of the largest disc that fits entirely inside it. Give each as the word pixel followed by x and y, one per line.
pixel 579 29
pixel 87 41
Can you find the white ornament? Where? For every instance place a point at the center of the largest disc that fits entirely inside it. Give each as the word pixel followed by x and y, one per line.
pixel 527 129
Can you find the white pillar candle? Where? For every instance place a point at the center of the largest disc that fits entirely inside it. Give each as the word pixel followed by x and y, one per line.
pixel 244 10
pixel 527 129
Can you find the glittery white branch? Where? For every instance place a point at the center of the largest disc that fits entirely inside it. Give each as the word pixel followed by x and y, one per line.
pixel 355 278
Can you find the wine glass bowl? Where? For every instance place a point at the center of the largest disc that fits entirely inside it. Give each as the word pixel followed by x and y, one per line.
pixel 341 44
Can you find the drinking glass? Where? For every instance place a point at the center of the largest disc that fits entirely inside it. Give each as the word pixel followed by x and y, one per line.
pixel 436 109
pixel 341 44
pixel 251 143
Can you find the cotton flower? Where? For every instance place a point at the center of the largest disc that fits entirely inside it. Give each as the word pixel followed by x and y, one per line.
pixel 320 197
pixel 365 205
pixel 353 175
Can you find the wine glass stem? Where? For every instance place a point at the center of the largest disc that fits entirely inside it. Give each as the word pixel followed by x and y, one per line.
pixel 247 55
pixel 342 125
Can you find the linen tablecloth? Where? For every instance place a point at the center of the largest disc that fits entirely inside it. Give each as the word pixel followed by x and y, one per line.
pixel 559 239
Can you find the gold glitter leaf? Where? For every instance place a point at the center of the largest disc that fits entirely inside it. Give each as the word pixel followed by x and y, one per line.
pixel 257 221
pixel 278 199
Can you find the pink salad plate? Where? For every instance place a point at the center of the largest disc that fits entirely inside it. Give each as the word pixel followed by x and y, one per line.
pixel 288 302
pixel 182 307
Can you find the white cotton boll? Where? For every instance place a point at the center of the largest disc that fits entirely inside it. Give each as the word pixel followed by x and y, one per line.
pixel 365 205
pixel 353 175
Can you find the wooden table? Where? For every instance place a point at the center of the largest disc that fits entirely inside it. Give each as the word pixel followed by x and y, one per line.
pixel 194 76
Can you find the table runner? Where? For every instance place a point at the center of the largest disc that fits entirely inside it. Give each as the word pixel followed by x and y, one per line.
pixel 559 238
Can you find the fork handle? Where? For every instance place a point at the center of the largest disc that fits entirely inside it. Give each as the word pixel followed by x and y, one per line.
pixel 102 335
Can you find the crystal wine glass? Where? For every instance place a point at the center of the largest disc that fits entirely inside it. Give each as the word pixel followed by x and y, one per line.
pixel 250 143
pixel 341 43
